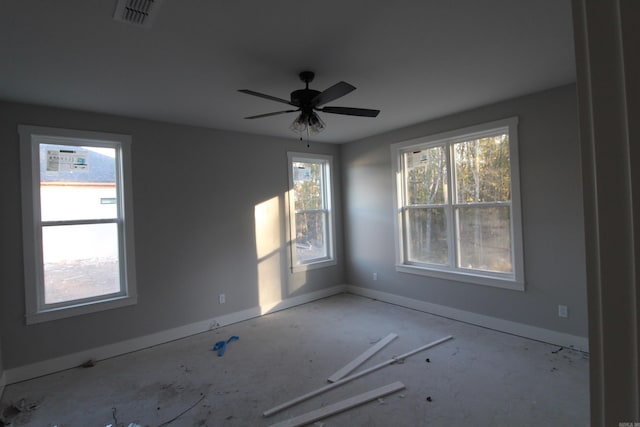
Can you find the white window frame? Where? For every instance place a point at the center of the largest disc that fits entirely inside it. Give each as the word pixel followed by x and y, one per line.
pixel 513 280
pixel 327 168
pixel 30 139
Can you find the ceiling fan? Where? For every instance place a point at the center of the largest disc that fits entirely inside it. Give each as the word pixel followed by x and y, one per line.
pixel 308 101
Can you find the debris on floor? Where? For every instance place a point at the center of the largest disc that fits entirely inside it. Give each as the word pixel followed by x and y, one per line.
pixel 14 410
pixel 221 346
pixel 166 423
pixel 112 425
pixel 429 399
pixel 89 364
pixel 226 392
pixel 114 415
pixel 24 406
pixel 558 350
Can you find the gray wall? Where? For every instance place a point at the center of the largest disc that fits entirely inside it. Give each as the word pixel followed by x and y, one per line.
pixel 195 194
pixel 552 216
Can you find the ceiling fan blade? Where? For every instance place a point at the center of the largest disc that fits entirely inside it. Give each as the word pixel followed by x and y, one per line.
pixel 334 92
pixel 271 114
pixel 262 95
pixel 362 112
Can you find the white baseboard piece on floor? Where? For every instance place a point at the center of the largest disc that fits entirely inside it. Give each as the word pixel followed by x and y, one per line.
pixel 343 372
pixel 343 405
pixel 515 328
pixel 45 367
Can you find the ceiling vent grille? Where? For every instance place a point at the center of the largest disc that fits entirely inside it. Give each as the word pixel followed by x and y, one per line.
pixel 136 12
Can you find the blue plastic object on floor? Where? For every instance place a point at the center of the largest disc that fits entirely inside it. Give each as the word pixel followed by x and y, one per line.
pixel 221 346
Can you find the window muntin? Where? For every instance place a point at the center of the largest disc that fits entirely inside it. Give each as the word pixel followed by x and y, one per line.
pixel 458 205
pixel 78 245
pixel 311 216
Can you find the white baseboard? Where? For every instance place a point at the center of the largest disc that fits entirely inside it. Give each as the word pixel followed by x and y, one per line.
pixel 3 382
pixel 22 373
pixel 520 329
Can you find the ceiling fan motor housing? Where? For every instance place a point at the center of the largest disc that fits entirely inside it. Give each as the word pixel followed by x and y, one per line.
pixel 302 97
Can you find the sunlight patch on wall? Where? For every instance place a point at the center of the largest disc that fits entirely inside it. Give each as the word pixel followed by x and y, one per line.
pixel 269 250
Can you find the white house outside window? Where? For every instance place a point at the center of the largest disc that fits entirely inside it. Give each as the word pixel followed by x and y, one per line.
pixel 310 211
pixel 78 219
pixel 458 205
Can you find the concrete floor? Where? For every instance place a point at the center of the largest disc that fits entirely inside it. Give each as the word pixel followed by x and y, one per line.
pixel 480 378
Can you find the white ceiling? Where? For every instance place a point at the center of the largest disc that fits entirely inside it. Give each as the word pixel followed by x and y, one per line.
pixel 413 59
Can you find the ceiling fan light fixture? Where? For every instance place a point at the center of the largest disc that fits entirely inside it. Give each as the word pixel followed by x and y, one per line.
pixel 310 121
pixel 315 123
pixel 299 125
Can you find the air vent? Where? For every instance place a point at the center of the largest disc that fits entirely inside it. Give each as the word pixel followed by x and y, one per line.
pixel 136 12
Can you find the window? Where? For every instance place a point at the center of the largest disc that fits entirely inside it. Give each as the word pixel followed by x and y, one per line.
pixel 77 222
pixel 458 205
pixel 310 211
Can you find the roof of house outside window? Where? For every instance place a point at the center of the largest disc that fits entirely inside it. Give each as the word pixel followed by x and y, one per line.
pixel 100 168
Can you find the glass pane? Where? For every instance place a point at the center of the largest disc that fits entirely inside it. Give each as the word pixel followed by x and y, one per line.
pixel 427 236
pixel 425 176
pixel 77 182
pixel 310 236
pixel 308 185
pixel 482 170
pixel 80 261
pixel 484 235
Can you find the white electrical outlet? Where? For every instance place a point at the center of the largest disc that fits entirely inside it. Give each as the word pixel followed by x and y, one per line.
pixel 222 299
pixel 563 311
pixel 375 276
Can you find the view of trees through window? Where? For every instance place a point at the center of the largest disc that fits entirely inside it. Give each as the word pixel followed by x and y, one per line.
pixel 310 211
pixel 426 186
pixel 473 216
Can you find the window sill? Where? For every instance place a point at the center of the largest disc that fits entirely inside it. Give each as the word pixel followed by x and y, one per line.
pixel 313 265
pixel 463 277
pixel 80 309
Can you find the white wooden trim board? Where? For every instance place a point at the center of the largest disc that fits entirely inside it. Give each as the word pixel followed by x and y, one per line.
pixel 341 406
pixel 331 386
pixel 362 358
